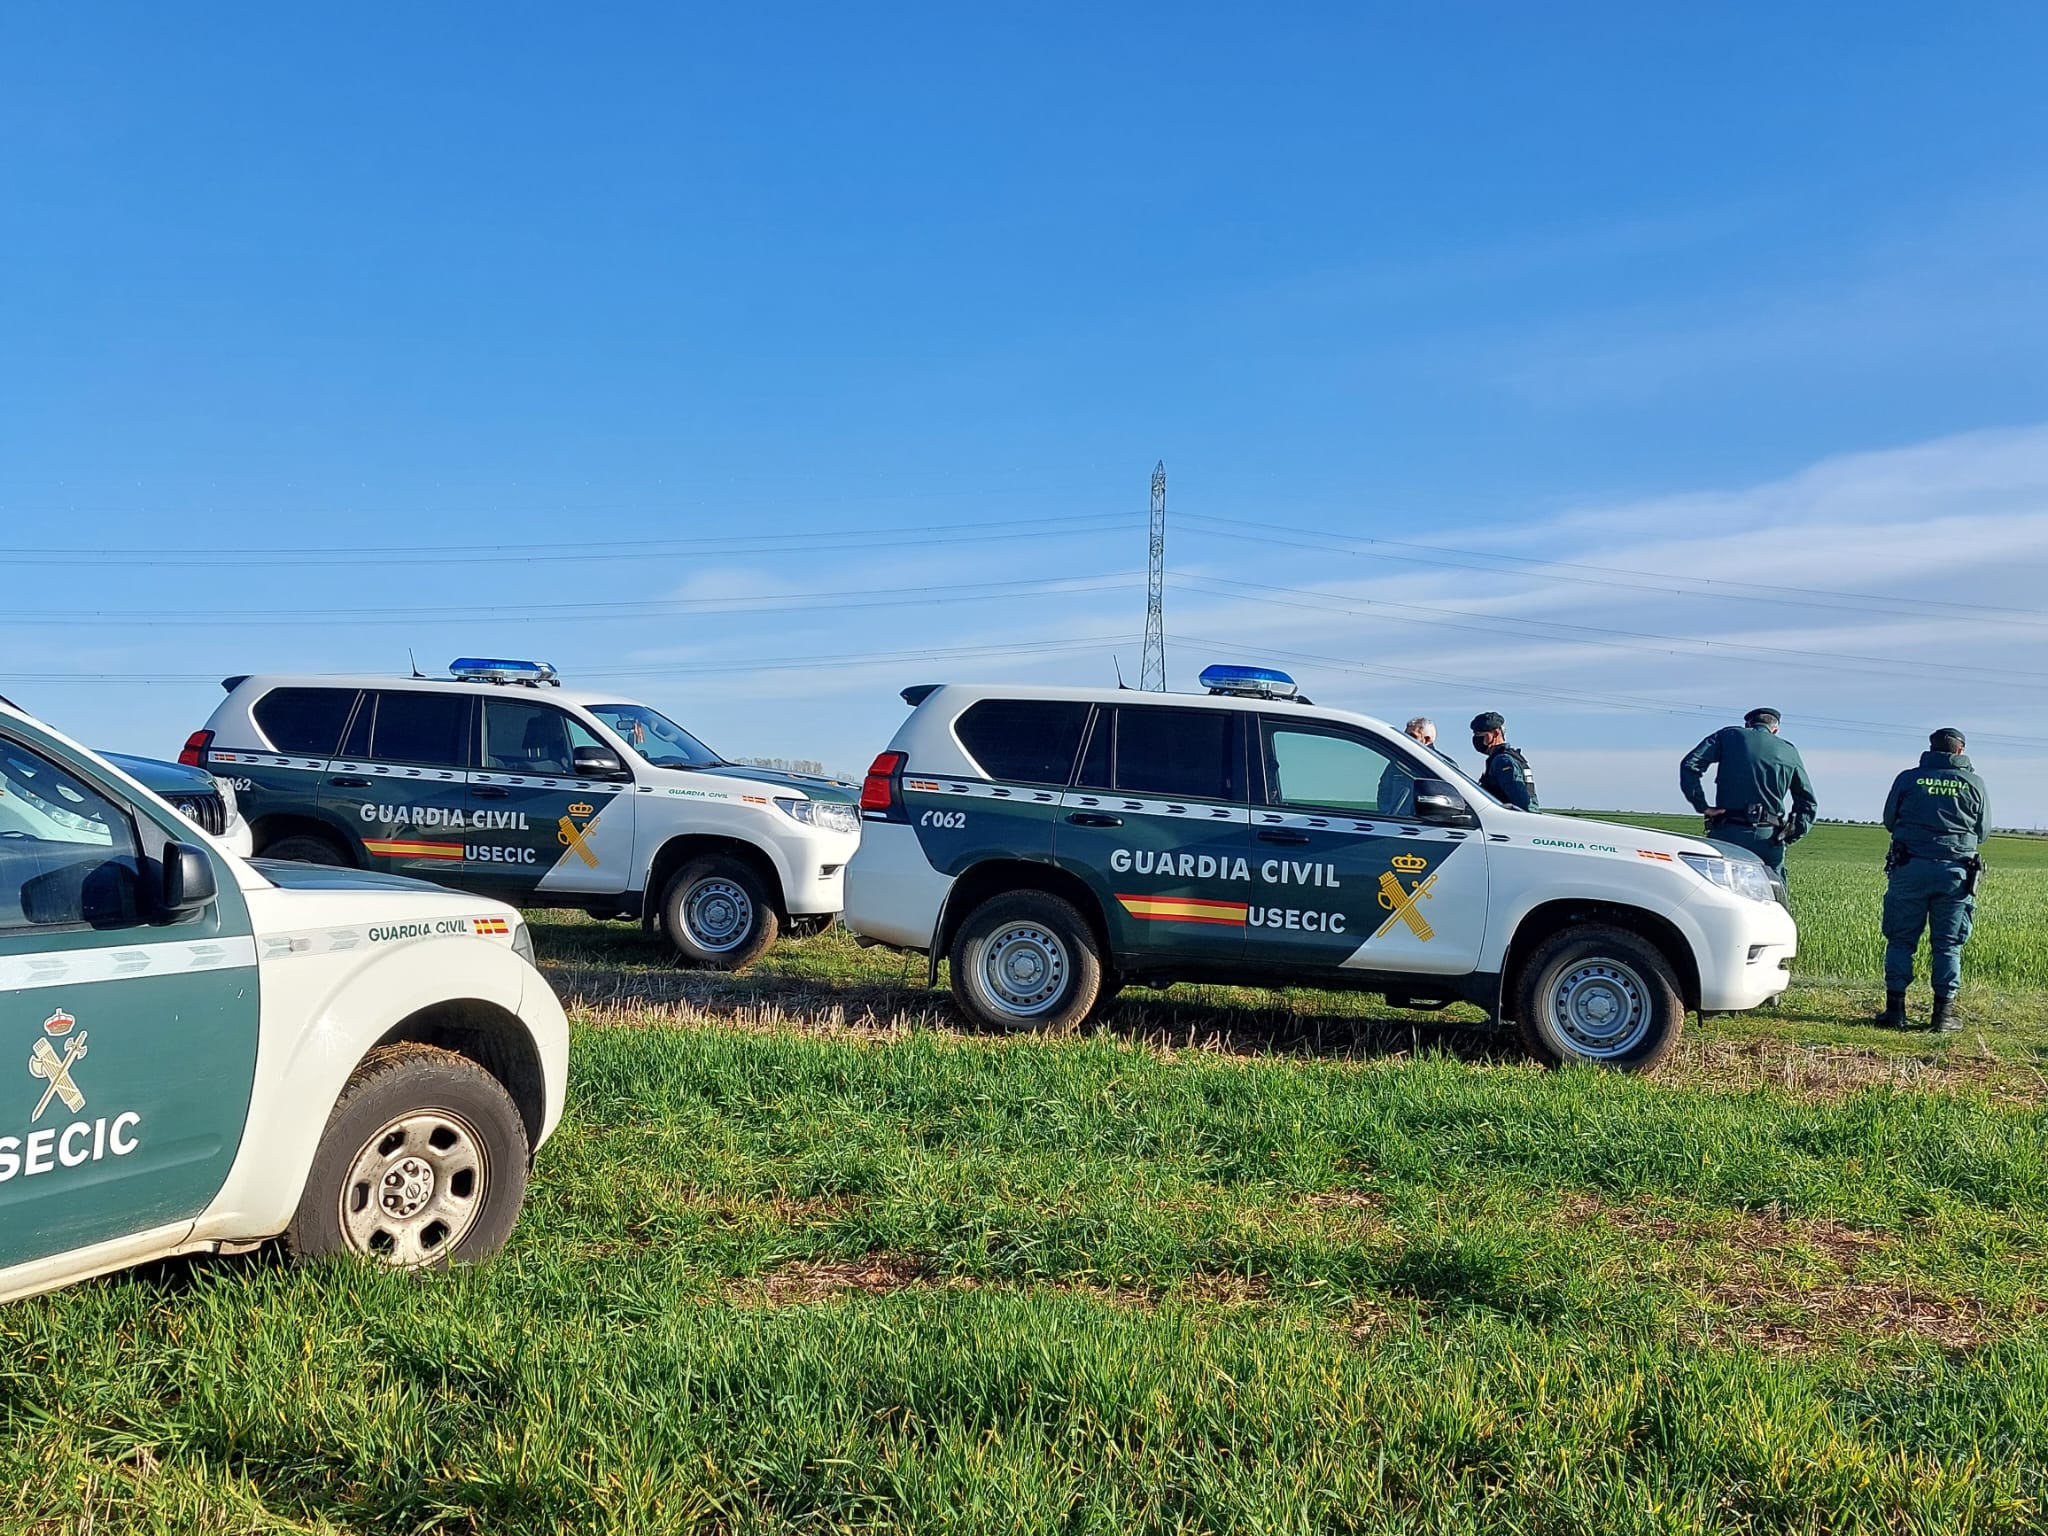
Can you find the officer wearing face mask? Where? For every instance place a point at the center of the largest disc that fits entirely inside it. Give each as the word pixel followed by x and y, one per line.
pixel 1507 775
pixel 1754 770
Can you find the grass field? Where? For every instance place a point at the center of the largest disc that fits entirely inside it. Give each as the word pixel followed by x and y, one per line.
pixel 808 1256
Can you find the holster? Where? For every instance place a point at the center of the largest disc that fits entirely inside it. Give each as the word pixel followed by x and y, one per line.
pixel 1896 856
pixel 1973 871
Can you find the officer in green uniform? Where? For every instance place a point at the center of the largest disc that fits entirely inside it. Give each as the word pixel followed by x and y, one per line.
pixel 1937 815
pixel 1755 769
pixel 1507 775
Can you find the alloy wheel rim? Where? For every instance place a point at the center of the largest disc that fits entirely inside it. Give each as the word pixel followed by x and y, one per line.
pixel 415 1189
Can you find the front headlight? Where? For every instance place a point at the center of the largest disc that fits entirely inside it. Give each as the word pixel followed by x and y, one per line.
pixel 825 815
pixel 231 810
pixel 522 941
pixel 1740 876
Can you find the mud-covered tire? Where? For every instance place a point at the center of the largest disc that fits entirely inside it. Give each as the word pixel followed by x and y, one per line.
pixel 1026 960
pixel 1602 996
pixel 308 848
pixel 717 912
pixel 423 1164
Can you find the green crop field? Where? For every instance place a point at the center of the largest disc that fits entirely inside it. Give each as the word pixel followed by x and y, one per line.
pixel 809 1256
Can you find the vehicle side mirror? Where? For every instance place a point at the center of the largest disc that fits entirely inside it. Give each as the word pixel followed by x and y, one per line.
pixel 1439 804
pixel 188 879
pixel 596 763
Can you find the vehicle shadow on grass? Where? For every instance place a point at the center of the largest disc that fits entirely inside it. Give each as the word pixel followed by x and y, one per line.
pixel 638 985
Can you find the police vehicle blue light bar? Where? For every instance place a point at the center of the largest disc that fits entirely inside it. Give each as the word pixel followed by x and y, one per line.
pixel 497 669
pixel 1251 682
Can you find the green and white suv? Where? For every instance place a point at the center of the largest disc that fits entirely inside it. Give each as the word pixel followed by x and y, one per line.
pixel 198 1054
pixel 1054 844
pixel 498 780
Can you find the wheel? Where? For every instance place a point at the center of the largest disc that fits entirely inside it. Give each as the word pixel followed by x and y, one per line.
pixel 717 914
pixel 423 1163
pixel 1600 995
pixel 308 848
pixel 1026 960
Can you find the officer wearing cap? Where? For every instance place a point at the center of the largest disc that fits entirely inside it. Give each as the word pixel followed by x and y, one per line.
pixel 1755 769
pixel 1937 815
pixel 1507 775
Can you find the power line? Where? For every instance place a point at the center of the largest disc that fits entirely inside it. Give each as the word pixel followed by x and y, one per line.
pixel 671 669
pixel 586 550
pixel 767 602
pixel 1582 634
pixel 1605 576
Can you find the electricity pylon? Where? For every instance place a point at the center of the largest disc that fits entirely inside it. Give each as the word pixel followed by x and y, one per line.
pixel 1152 677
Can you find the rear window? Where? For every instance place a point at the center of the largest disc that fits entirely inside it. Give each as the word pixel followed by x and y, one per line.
pixel 306 721
pixel 1187 754
pixel 430 728
pixel 1026 741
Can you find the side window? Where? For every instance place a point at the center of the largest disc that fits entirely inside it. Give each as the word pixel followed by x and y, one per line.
pixel 1025 741
pixel 1330 769
pixel 67 852
pixel 1187 754
pixel 526 738
pixel 416 727
pixel 306 722
pixel 1095 757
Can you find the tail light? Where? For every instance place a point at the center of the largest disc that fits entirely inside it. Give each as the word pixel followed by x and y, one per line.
pixel 195 748
pixel 878 789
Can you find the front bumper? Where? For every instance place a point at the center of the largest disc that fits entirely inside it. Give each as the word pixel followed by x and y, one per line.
pixel 1745 954
pixel 813 869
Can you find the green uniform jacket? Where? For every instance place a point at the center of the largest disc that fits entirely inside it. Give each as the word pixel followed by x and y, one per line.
pixel 1938 810
pixel 1755 767
pixel 1508 777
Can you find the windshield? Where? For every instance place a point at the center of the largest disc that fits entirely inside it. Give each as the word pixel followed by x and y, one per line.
pixel 658 739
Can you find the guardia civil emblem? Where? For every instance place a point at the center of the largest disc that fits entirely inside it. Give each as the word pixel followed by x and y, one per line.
pixel 46 1064
pixel 1399 901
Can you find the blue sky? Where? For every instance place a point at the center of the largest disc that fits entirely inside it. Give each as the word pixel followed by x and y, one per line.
pixel 1741 297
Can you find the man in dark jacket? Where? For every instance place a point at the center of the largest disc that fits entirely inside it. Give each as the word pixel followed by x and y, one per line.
pixel 1754 770
pixel 1507 775
pixel 1937 814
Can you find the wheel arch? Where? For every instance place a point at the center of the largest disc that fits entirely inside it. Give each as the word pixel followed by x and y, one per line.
pixel 269 828
pixel 1545 921
pixel 493 1037
pixel 992 877
pixel 685 846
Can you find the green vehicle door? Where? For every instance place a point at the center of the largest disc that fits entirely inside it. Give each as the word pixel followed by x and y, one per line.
pixel 1157 825
pixel 127 1041
pixel 401 782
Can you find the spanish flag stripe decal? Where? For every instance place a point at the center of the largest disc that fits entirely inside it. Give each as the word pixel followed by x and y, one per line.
pixel 394 849
pixel 1184 909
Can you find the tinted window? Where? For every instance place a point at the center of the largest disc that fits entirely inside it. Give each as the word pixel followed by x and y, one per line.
pixel 1182 753
pixel 67 852
pixel 305 721
pixel 526 738
pixel 430 728
pixel 1335 770
pixel 1028 741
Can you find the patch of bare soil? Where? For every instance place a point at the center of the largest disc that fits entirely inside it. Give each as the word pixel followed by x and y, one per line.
pixel 812 1280
pixel 1789 1321
pixel 1836 1071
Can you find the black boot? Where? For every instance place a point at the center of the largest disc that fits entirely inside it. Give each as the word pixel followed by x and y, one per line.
pixel 1894 1015
pixel 1945 1019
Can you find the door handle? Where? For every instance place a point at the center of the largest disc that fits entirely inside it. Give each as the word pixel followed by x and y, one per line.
pixel 1277 836
pixel 349 783
pixel 489 792
pixel 1095 819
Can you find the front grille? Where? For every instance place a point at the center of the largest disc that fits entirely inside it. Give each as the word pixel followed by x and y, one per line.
pixel 208 810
